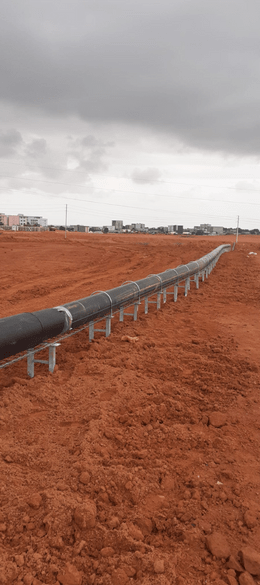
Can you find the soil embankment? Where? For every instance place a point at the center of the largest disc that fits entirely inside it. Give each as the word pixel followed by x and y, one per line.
pixel 137 461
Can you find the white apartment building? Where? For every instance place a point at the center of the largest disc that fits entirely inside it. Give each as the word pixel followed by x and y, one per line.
pixel 32 220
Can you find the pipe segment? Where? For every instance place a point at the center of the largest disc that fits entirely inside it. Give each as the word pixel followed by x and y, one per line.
pixel 27 330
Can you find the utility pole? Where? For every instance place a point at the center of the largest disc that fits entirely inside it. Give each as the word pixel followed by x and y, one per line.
pixel 66 215
pixel 237 228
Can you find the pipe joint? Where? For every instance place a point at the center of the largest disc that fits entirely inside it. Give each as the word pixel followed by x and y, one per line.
pixel 68 318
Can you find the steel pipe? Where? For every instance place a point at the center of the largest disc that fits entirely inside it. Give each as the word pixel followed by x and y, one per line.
pixel 27 330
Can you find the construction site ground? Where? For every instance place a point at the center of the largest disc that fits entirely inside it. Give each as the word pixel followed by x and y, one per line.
pixel 137 460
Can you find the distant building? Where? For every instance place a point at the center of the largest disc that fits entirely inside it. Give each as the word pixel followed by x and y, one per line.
pixel 117 224
pixel 218 229
pixel 206 228
pixel 162 229
pixel 13 220
pixel 178 229
pixel 78 228
pixel 43 221
pixel 3 219
pixel 32 220
pixel 138 227
pixel 109 229
pixel 96 229
pixel 203 228
pixel 9 219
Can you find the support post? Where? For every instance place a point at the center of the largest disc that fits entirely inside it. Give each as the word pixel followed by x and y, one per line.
pixel 107 330
pixel 51 361
pixel 157 302
pixel 30 363
pixel 91 331
pixel 134 314
pixel 175 292
pixel 52 358
pixel 108 326
pixel 164 295
pixel 186 288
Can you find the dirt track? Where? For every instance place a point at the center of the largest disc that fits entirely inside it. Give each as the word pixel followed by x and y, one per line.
pixel 120 466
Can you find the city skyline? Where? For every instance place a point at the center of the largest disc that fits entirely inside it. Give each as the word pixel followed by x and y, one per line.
pixel 115 226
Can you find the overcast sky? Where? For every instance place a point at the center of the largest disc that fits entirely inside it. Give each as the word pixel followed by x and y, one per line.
pixel 132 110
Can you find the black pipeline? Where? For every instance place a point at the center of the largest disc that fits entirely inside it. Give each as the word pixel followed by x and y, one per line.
pixel 27 330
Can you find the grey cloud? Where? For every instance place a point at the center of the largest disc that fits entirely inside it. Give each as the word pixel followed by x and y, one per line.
pixel 150 176
pixel 94 162
pixel 91 141
pixel 37 148
pixel 191 69
pixel 90 151
pixel 93 165
pixel 10 140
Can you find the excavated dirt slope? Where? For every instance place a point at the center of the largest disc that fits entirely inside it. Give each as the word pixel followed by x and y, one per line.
pixel 137 461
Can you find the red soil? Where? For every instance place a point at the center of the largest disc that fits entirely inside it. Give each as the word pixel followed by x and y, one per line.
pixel 121 467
